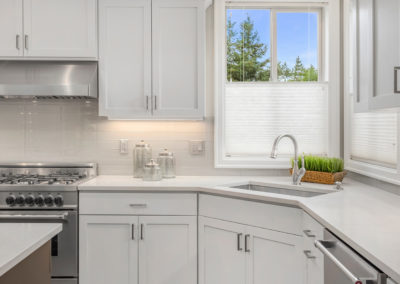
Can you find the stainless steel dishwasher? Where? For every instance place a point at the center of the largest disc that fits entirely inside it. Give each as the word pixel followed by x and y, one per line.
pixel 342 265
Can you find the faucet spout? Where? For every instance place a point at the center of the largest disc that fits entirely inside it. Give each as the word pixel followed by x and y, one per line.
pixel 297 173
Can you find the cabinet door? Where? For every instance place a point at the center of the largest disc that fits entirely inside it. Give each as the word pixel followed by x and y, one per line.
pixel 125 58
pixel 273 257
pixel 222 259
pixel 178 58
pixel 11 28
pixel 108 249
pixel 60 28
pixel 168 250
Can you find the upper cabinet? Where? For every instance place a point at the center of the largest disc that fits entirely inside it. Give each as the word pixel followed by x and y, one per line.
pixel 376 44
pixel 10 27
pixel 178 58
pixel 152 59
pixel 48 28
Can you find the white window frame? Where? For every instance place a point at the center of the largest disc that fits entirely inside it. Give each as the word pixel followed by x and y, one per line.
pixel 380 172
pixel 329 21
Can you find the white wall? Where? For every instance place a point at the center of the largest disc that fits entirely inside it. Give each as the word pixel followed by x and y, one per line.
pixel 71 131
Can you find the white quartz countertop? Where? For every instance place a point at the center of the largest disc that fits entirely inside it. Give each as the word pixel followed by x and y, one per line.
pixel 19 240
pixel 366 218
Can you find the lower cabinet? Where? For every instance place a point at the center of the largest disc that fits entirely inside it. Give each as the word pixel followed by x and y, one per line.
pixel 313 258
pixel 237 254
pixel 138 249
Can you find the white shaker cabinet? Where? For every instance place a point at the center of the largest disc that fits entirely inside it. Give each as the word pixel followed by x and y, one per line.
pixel 48 28
pixel 274 256
pixel 108 249
pixel 152 58
pixel 130 238
pixel 239 254
pixel 168 250
pixel 11 28
pixel 376 44
pixel 125 59
pixel 178 58
pixel 313 258
pixel 221 253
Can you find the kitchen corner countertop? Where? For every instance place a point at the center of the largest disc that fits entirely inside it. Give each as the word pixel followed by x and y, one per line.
pixel 365 217
pixel 19 240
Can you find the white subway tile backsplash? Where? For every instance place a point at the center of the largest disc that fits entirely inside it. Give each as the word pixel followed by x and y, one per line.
pixel 72 131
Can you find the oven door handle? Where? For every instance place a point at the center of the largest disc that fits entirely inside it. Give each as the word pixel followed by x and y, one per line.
pixel 322 246
pixel 61 217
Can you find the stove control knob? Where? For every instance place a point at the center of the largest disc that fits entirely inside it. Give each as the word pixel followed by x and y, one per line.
pixel 30 200
pixel 39 200
pixel 59 200
pixel 10 200
pixel 49 200
pixel 20 200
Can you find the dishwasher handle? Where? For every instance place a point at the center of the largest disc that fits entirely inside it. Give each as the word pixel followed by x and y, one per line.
pixel 322 246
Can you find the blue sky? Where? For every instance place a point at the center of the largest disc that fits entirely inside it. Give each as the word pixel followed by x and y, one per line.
pixel 296 32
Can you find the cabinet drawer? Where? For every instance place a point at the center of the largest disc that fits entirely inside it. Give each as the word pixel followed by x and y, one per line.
pixel 138 203
pixel 269 216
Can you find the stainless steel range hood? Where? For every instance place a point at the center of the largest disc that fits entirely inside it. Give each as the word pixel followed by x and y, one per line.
pixel 47 79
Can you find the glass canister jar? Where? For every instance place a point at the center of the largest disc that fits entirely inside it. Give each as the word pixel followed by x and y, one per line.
pixel 166 160
pixel 152 171
pixel 141 156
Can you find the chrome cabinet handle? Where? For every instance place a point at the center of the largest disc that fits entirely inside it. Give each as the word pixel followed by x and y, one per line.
pixel 308 234
pixel 308 254
pixel 155 102
pixel 239 238
pixel 138 205
pixel 396 87
pixel 321 246
pixel 26 41
pixel 141 231
pixel 17 38
pixel 133 232
pixel 246 243
pixel 147 103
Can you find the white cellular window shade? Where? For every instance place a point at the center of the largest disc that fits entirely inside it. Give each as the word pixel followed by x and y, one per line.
pixel 374 138
pixel 255 114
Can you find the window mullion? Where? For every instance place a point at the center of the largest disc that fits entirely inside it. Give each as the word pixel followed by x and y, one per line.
pixel 274 57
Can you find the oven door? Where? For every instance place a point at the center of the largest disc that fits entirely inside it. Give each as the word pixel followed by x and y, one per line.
pixel 343 265
pixel 64 246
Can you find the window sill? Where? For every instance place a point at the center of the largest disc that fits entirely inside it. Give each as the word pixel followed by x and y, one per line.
pixel 243 163
pixel 373 171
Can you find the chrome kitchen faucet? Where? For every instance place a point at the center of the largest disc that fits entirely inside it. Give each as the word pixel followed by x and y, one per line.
pixel 297 173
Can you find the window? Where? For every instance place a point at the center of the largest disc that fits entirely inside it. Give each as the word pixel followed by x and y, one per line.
pixel 273 84
pixel 371 139
pixel 251 56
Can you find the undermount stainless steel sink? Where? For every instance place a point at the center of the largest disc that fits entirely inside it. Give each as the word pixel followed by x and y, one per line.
pixel 293 192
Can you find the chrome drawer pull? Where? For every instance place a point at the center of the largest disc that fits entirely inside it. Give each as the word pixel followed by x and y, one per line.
pixel 308 234
pixel 138 205
pixel 308 254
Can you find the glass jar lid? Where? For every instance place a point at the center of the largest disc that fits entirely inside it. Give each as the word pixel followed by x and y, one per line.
pixel 166 153
pixel 152 165
pixel 142 144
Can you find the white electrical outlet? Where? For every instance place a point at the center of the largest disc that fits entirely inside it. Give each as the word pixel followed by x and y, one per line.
pixel 123 146
pixel 197 147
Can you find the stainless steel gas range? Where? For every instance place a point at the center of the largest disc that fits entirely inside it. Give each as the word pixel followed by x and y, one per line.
pixel 42 193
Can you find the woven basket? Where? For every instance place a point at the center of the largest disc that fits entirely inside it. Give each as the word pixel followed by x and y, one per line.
pixel 322 177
